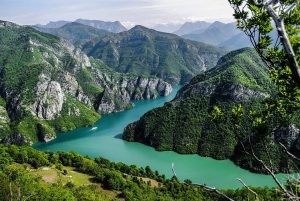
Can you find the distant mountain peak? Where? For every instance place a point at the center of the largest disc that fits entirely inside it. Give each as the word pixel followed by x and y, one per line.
pixel 189 27
pixel 167 27
pixel 140 27
pixel 114 27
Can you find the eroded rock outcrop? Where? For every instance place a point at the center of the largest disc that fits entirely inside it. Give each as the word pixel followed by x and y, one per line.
pixel 56 87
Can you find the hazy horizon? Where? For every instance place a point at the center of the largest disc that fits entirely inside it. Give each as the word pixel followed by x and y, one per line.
pixel 131 12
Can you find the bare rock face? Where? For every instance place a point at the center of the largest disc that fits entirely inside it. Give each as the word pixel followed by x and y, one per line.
pixel 49 99
pixel 70 86
pixel 117 97
pixel 17 139
pixel 106 106
pixel 51 103
pixel 61 81
pixel 288 136
pixel 4 123
pixel 82 59
pixel 228 91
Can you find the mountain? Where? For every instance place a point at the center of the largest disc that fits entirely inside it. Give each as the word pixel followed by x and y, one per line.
pixel 75 32
pixel 237 41
pixel 53 25
pixel 167 28
pixel 190 27
pixel 149 52
pixel 207 116
pixel 47 85
pixel 115 27
pixel 215 34
pixel 224 36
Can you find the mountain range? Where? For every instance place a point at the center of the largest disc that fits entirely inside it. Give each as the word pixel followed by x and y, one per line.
pixel 146 51
pixel 219 34
pixel 114 27
pixel 47 85
pixel 190 27
pixel 215 33
pixel 167 27
pixel 223 35
pixel 75 32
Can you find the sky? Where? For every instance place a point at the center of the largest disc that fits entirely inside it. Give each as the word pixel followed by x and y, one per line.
pixel 129 12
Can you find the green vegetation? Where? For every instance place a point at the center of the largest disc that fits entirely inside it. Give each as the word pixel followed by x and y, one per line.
pixel 215 113
pixel 238 67
pixel 49 86
pixel 44 175
pixel 20 67
pixel 75 32
pixel 35 129
pixel 26 54
pixel 88 84
pixel 74 115
pixel 4 120
pixel 147 52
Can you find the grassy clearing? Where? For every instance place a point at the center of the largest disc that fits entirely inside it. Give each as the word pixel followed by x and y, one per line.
pixel 53 175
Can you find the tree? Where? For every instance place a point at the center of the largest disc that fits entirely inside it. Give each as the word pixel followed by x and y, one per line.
pixel 257 18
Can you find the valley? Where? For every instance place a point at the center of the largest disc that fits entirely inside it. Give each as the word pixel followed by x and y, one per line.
pixel 202 107
pixel 106 141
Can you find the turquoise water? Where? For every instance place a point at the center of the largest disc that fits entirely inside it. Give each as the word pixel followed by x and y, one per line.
pixel 106 142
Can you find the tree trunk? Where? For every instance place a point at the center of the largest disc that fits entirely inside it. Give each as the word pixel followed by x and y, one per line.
pixel 285 42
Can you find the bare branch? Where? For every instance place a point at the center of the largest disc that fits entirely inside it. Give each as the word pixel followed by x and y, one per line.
pixel 212 189
pixel 291 7
pixel 286 192
pixel 289 153
pixel 249 189
pixel 11 192
pixel 279 22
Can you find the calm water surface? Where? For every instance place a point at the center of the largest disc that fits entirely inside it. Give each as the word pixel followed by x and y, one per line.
pixel 105 141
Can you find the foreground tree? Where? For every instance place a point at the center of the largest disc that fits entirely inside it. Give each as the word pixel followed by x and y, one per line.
pixel 259 19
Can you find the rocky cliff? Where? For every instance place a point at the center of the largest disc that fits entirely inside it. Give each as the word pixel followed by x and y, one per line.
pixel 213 115
pixel 48 85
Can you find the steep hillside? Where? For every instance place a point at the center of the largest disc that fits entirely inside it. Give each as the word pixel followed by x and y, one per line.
pixel 75 32
pixel 211 115
pixel 47 85
pixel 148 52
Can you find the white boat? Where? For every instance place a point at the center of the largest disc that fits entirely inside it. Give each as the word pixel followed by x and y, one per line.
pixel 94 128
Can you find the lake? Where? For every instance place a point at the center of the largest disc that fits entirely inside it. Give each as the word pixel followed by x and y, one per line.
pixel 105 140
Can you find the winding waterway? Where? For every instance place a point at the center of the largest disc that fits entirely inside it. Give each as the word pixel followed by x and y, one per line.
pixel 105 141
